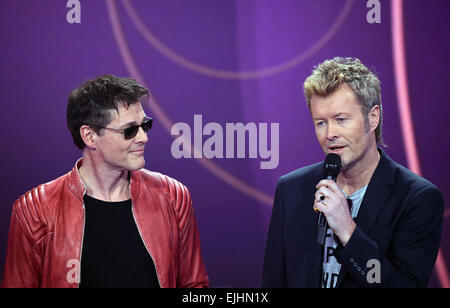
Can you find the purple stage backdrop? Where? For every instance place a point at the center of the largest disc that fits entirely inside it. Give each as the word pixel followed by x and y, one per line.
pixel 209 63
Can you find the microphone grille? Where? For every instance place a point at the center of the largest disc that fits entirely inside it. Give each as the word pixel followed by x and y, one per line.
pixel 332 165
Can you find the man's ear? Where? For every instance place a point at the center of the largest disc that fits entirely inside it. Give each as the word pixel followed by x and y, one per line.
pixel 88 135
pixel 374 117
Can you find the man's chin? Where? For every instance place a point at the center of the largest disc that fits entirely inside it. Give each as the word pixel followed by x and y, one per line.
pixel 136 164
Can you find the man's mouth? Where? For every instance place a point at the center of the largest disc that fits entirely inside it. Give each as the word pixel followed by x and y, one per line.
pixel 336 148
pixel 137 151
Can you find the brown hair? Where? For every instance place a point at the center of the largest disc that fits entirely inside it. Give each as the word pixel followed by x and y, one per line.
pixel 91 103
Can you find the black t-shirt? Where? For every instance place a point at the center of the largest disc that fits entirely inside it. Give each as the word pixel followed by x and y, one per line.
pixel 114 254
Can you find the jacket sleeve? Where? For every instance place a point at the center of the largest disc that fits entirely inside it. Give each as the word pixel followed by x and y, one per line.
pixel 192 271
pixel 22 265
pixel 274 265
pixel 410 260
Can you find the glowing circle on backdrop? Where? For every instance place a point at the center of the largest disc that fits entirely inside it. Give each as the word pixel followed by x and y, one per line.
pixel 217 73
pixel 167 123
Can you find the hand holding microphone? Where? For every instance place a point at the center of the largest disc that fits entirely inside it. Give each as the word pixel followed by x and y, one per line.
pixel 332 204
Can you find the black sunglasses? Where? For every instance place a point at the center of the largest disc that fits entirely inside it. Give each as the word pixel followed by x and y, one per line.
pixel 131 132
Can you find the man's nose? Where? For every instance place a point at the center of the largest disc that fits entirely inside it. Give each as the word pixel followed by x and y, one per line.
pixel 332 132
pixel 142 136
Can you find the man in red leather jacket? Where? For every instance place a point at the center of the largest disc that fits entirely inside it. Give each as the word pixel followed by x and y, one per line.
pixel 108 222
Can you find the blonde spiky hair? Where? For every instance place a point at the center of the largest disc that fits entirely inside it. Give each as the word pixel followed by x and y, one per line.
pixel 330 74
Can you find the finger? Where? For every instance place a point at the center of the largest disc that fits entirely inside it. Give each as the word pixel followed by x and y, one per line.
pixel 324 183
pixel 320 207
pixel 319 196
pixel 331 185
pixel 335 189
pixel 325 192
pixel 315 208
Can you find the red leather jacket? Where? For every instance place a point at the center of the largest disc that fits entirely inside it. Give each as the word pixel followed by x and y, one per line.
pixel 46 233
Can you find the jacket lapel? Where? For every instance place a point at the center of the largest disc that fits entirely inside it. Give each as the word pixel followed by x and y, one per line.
pixel 377 193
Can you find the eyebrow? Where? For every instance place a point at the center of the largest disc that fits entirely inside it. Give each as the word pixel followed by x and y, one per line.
pixel 337 115
pixel 131 123
pixel 340 114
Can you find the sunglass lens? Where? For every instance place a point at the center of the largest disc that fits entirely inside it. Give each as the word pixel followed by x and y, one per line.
pixel 147 125
pixel 131 132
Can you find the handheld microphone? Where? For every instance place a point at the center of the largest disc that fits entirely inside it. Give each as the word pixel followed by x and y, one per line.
pixel 331 169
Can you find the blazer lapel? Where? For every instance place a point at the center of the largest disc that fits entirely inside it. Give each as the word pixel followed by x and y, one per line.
pixel 375 197
pixel 377 193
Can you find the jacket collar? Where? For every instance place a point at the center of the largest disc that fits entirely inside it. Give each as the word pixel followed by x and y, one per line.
pixel 74 181
pixel 78 188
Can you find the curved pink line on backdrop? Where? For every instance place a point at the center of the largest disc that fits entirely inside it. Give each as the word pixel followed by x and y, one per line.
pixel 211 72
pixel 165 120
pixel 401 79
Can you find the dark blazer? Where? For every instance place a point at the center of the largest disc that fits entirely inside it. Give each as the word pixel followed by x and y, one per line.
pixel 399 224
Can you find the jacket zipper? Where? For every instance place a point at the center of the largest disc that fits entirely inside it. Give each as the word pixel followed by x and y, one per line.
pixel 142 239
pixel 84 225
pixel 81 248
